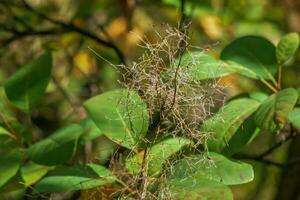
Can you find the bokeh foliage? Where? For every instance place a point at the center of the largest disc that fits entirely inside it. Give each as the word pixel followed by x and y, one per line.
pixel 37 104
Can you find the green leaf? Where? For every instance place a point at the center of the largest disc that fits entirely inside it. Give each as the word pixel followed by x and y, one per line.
pixel 255 53
pixel 13 184
pixel 26 87
pixel 243 136
pixel 57 148
pixel 31 173
pixel 200 66
pixel 259 96
pixel 191 189
pixel 10 159
pixel 294 117
pixel 273 112
pixel 287 47
pixel 157 155
pixel 3 131
pixel 214 167
pixel 121 115
pixel 227 121
pixel 91 131
pixel 7 114
pixel 75 178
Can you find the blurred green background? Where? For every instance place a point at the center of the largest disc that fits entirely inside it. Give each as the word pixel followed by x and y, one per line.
pixel 214 23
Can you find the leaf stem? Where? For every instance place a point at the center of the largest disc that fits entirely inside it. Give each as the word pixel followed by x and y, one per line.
pixel 269 86
pixel 279 76
pixel 275 82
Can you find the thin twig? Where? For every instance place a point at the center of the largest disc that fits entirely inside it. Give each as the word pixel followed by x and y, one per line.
pixel 272 163
pixel 144 175
pixel 261 156
pixel 269 150
pixel 17 35
pixel 275 146
pixel 182 48
pixel 67 27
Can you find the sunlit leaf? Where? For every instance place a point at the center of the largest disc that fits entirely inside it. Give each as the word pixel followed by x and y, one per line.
pixel 10 158
pixel 243 136
pixel 32 172
pixel 75 178
pixel 121 115
pixel 201 66
pixel 273 112
pixel 287 47
pixel 259 96
pixel 214 167
pixel 3 131
pixel 157 155
pixel 227 121
pixel 202 188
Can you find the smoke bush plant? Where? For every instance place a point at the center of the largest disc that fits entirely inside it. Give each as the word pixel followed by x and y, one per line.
pixel 171 100
pixel 173 141
pixel 164 79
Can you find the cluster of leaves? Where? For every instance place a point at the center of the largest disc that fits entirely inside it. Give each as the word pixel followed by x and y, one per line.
pixel 51 165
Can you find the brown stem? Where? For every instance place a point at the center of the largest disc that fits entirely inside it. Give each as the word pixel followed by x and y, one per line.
pixel 143 176
pixel 269 86
pixel 279 76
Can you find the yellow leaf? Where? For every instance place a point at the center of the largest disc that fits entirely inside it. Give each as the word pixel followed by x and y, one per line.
pixel 117 27
pixel 212 26
pixel 85 63
pixel 134 37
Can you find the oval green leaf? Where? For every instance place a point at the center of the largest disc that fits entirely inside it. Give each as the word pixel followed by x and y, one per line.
pixel 214 167
pixel 255 53
pixel 287 47
pixel 75 178
pixel 26 87
pixel 121 115
pixel 243 136
pixel 227 121
pixel 31 173
pixel 201 188
pixel 259 96
pixel 157 155
pixel 200 66
pixel 273 112
pixel 57 148
pixel 3 131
